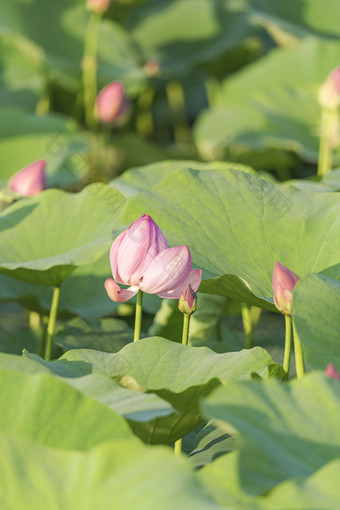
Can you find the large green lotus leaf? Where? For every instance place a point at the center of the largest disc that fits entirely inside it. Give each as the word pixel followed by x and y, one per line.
pixel 279 110
pixel 120 474
pixel 321 490
pixel 287 430
pixel 287 21
pixel 26 137
pixel 44 238
pixel 52 39
pixel 107 335
pixel 137 407
pixel 209 444
pixel 143 178
pixel 236 225
pixel 186 33
pixel 176 373
pixel 315 310
pixel 42 407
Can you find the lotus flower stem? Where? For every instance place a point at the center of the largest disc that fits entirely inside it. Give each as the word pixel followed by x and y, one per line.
pixel 178 447
pixel 288 343
pixel 34 320
pixel 185 331
pixel 138 317
pixel 328 125
pixel 299 364
pixel 247 326
pixel 42 342
pixel 51 323
pixel 176 101
pixel 90 67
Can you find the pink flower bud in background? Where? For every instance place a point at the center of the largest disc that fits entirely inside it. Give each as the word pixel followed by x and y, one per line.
pixel 111 103
pixel 284 282
pixel 329 92
pixel 98 5
pixel 29 181
pixel 152 68
pixel 187 302
pixel 332 372
pixel 140 257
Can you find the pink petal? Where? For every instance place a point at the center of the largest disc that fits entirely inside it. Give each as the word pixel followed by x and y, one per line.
pixel 168 270
pixel 113 256
pixel 194 279
pixel 117 294
pixel 332 372
pixel 30 180
pixel 142 242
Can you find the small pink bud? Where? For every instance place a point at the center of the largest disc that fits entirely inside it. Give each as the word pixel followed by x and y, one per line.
pixel 111 103
pixel 284 282
pixel 332 372
pixel 30 180
pixel 187 302
pixel 152 68
pixel 329 92
pixel 98 5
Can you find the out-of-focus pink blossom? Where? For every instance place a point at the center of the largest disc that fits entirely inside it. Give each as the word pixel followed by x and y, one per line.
pixel 329 92
pixel 187 302
pixel 284 282
pixel 98 5
pixel 332 372
pixel 140 257
pixel 29 181
pixel 111 103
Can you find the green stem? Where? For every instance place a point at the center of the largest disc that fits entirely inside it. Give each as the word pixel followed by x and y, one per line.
pixel 176 101
pixel 34 320
pixel 185 340
pixel 288 343
pixel 51 324
pixel 90 67
pixel 247 325
pixel 300 368
pixel 138 317
pixel 178 447
pixel 328 121
pixel 144 121
pixel 42 342
pixel 185 332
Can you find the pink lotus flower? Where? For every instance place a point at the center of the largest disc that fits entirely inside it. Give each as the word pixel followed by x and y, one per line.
pixel 30 180
pixel 187 302
pixel 329 92
pixel 332 372
pixel 98 5
pixel 111 103
pixel 140 257
pixel 284 282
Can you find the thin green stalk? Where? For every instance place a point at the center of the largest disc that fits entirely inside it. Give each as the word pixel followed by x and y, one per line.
pixel 247 326
pixel 144 121
pixel 51 324
pixel 328 121
pixel 42 342
pixel 178 447
pixel 185 340
pixel 176 101
pixel 185 332
pixel 138 317
pixel 299 364
pixel 90 67
pixel 34 320
pixel 288 343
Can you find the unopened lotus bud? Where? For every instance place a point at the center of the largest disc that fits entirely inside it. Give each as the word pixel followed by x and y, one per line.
pixel 187 302
pixel 111 103
pixel 332 372
pixel 29 181
pixel 284 282
pixel 98 5
pixel 329 92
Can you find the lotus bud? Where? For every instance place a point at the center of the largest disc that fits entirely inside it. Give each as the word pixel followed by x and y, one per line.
pixel 284 282
pixel 98 5
pixel 187 302
pixel 111 103
pixel 332 372
pixel 329 92
pixel 152 68
pixel 29 181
